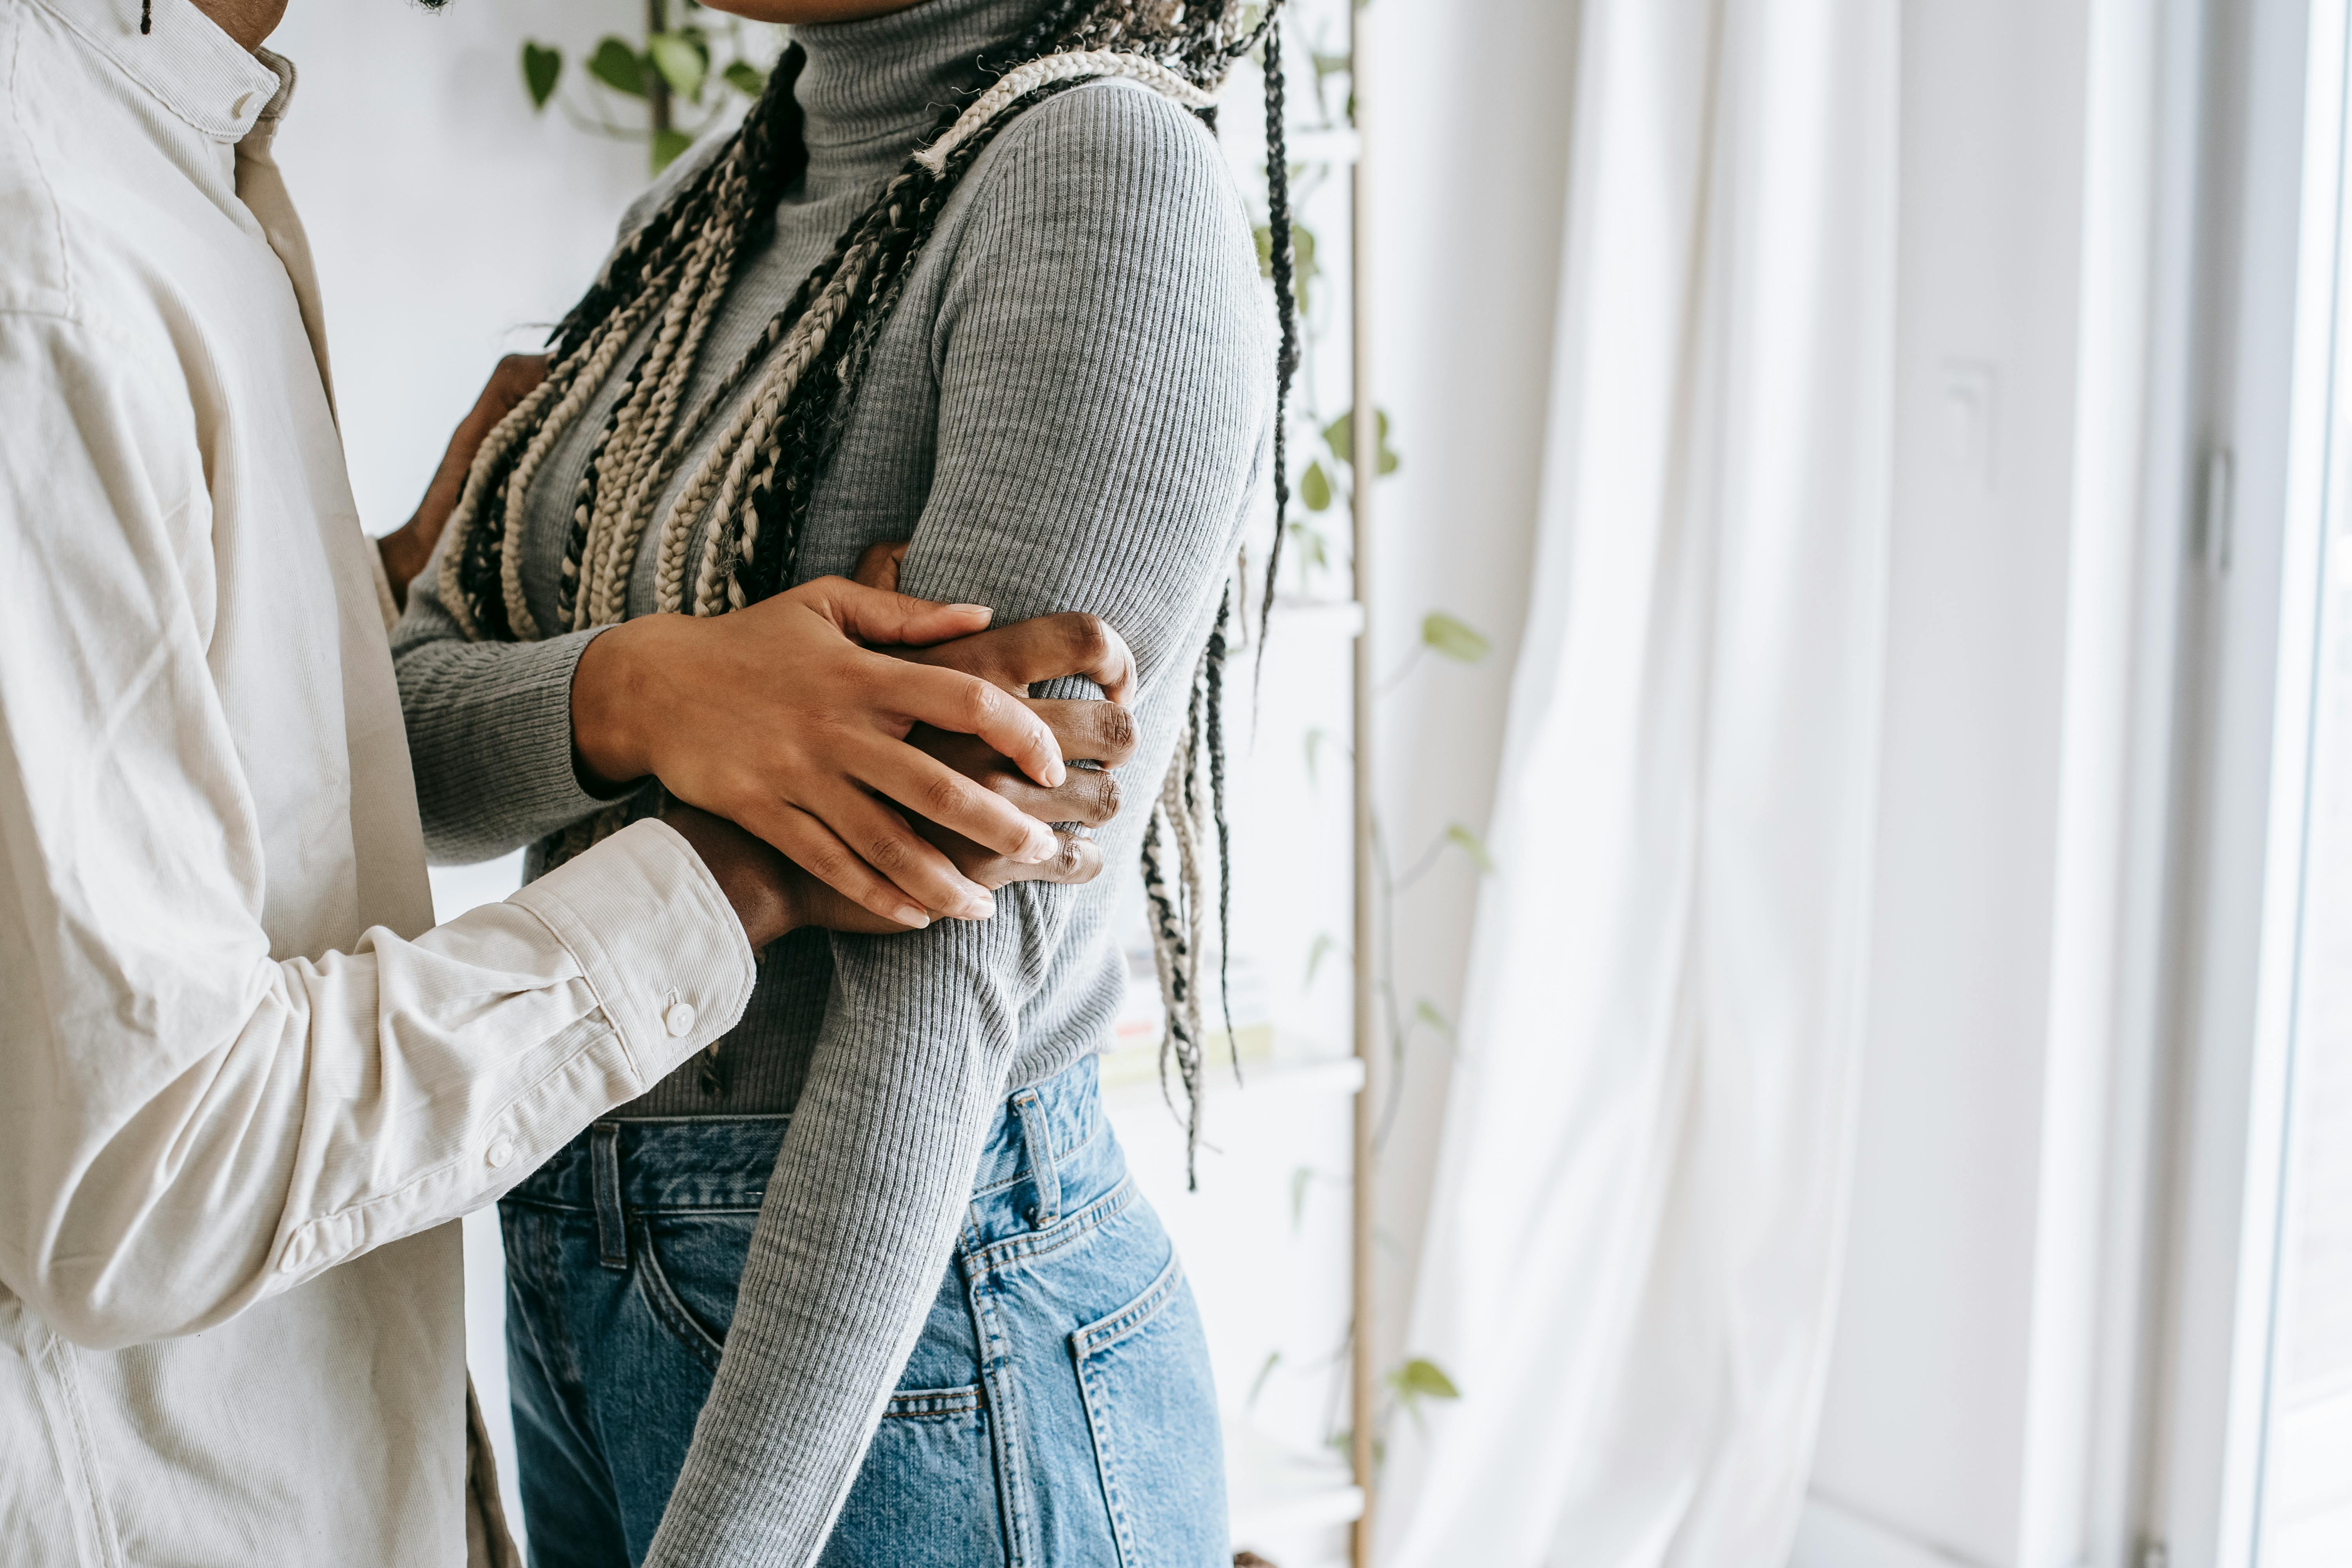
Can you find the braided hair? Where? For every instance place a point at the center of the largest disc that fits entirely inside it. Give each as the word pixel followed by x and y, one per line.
pixel 749 495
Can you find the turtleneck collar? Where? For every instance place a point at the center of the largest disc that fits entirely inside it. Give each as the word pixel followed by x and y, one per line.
pixel 890 77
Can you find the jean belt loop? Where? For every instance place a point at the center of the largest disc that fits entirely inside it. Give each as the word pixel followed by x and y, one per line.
pixel 1037 1149
pixel 604 1170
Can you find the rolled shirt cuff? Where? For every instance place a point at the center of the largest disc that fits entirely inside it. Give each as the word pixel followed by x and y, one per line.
pixel 657 940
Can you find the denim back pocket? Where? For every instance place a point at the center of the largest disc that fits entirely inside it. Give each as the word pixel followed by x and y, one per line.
pixel 1144 1373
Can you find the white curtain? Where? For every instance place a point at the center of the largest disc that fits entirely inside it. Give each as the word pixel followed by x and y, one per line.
pixel 1630 1266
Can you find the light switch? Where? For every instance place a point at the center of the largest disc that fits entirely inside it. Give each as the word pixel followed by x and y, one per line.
pixel 1969 412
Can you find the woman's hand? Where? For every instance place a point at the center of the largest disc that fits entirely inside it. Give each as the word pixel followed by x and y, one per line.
pixel 776 718
pixel 1020 656
pixel 408 547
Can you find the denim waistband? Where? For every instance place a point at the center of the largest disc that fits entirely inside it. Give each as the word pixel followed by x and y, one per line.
pixel 721 1162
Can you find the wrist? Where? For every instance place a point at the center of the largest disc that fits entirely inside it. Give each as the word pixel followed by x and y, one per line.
pixel 755 880
pixel 608 747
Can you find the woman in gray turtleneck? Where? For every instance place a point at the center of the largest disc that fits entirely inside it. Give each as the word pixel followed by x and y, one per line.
pixel 954 1334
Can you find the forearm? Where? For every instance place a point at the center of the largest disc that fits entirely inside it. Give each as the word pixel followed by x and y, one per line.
pixel 251 1126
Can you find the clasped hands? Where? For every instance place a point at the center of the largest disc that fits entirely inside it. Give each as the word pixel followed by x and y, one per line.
pixel 844 756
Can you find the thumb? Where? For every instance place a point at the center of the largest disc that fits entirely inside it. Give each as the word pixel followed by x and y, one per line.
pixel 875 615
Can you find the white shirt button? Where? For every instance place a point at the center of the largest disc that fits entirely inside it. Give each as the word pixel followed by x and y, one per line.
pixel 679 1018
pixel 243 105
pixel 500 1150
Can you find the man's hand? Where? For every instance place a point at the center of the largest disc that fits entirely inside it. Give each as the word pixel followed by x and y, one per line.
pixel 776 718
pixel 408 547
pixel 1085 800
pixel 771 895
pixel 1020 656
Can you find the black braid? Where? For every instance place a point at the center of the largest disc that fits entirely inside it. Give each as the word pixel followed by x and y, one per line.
pixel 584 498
pixel 1048 25
pixel 1285 309
pixel 1213 675
pixel 774 152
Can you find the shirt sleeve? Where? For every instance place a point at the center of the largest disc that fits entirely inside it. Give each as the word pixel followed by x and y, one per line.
pixel 1102 376
pixel 189 1121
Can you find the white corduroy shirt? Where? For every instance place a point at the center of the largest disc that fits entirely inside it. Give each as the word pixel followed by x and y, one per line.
pixel 243 1086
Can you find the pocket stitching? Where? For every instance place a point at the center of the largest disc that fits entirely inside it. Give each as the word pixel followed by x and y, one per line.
pixel 969 1400
pixel 661 1298
pixel 1088 1343
pixel 1036 1245
pixel 1092 1339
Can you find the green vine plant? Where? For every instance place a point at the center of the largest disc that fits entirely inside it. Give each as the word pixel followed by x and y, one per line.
pixel 687 70
pixel 1325 112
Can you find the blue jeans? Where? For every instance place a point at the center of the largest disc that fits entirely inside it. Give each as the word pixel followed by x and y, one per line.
pixel 1087 1434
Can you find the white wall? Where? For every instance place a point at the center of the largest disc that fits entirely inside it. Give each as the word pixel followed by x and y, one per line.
pixel 449 221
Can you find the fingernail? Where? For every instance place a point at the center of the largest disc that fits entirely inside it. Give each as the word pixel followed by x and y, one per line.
pixel 908 915
pixel 1055 772
pixel 976 609
pixel 979 909
pixel 1041 850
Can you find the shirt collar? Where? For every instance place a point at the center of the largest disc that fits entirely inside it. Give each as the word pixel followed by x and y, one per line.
pixel 193 68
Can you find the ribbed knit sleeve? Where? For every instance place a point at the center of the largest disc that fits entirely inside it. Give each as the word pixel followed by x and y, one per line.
pixel 1104 380
pixel 490 732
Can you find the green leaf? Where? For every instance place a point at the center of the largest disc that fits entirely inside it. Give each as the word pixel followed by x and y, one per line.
pixel 1315 488
pixel 618 67
pixel 541 65
pixel 668 145
pixel 1317 737
pixel 746 78
pixel 1257 1384
pixel 1426 1011
pixel 1470 844
pixel 1454 638
pixel 1301 1180
pixel 1304 269
pixel 1340 436
pixel 680 63
pixel 1419 1379
pixel 1325 945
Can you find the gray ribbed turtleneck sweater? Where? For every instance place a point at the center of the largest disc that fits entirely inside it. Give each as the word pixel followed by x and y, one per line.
pixel 1067 411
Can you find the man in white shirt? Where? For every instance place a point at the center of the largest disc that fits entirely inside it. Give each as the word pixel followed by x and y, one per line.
pixel 245 1083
